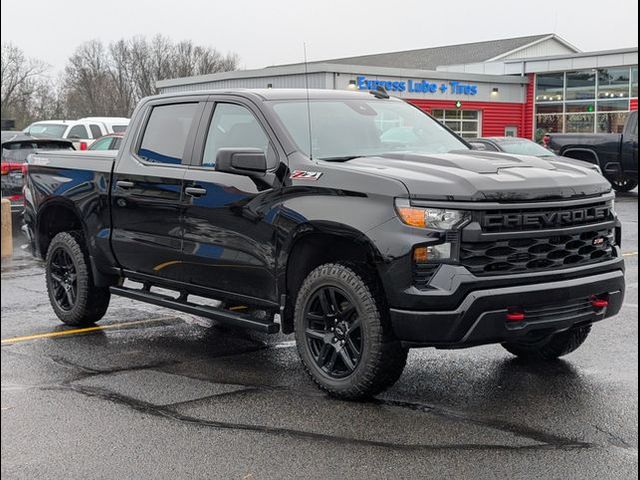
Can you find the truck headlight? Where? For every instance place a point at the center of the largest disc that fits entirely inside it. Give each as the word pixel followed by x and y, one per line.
pixel 436 218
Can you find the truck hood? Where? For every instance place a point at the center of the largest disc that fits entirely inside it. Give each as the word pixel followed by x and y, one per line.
pixel 484 176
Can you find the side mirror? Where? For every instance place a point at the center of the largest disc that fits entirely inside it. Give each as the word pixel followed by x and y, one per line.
pixel 251 162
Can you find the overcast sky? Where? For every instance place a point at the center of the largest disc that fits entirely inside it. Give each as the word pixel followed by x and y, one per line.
pixel 273 31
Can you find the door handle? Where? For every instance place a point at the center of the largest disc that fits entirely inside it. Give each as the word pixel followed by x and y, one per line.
pixel 125 184
pixel 195 191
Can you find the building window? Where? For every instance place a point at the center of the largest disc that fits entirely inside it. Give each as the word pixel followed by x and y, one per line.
pixel 580 85
pixel 584 101
pixel 465 123
pixel 550 87
pixel 613 83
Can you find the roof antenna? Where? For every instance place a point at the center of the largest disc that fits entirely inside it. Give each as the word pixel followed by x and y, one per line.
pixel 306 83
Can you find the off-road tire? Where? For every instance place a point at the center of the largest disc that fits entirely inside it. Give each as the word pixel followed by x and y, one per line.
pixel 551 348
pixel 91 302
pixel 382 358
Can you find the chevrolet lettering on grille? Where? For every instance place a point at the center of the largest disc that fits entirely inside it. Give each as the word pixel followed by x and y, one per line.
pixel 559 218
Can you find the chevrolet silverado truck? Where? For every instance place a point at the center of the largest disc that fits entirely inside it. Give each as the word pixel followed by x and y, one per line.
pixel 352 219
pixel 616 154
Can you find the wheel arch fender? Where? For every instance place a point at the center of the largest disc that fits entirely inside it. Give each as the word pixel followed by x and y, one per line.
pixel 312 244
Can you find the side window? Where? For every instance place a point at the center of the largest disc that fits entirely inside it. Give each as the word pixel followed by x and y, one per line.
pixel 233 126
pixel 115 145
pixel 165 136
pixel 95 131
pixel 102 144
pixel 78 131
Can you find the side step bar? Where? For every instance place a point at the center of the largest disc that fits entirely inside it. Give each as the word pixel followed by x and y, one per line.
pixel 225 316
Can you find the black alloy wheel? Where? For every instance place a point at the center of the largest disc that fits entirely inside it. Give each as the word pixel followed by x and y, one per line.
pixel 333 332
pixel 64 279
pixel 623 183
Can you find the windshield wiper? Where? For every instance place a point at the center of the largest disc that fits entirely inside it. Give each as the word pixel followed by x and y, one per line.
pixel 346 158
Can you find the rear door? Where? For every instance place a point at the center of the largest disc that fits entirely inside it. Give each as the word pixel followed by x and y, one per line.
pixel 147 189
pixel 229 235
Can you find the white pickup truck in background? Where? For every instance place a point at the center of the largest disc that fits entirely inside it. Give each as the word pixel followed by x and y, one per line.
pixel 82 132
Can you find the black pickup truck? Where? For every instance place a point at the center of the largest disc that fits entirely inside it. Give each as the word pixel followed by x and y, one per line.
pixel 615 154
pixel 353 219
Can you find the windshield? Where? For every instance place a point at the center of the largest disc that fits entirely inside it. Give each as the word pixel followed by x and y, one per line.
pixel 48 130
pixel 344 129
pixel 524 147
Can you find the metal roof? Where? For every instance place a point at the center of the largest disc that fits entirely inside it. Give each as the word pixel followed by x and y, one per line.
pixel 431 58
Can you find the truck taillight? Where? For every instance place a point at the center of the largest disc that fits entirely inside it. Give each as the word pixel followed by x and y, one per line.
pixel 83 145
pixel 545 140
pixel 25 169
pixel 4 168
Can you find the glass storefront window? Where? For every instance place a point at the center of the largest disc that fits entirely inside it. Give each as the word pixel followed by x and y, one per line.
pixel 634 82
pixel 580 123
pixel 550 87
pixel 613 105
pixel 548 124
pixel 612 122
pixel 549 108
pixel 581 85
pixel 613 83
pixel 580 107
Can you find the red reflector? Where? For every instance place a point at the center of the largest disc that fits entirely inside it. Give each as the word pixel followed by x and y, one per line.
pixel 600 303
pixel 515 316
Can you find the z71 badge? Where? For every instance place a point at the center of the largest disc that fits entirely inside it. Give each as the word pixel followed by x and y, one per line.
pixel 304 175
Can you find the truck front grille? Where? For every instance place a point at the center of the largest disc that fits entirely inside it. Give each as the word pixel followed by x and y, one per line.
pixel 537 252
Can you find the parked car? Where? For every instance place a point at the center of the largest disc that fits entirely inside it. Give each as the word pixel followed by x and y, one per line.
pixel 82 132
pixel 616 154
pixel 362 247
pixel 524 146
pixel 514 145
pixel 16 147
pixel 108 142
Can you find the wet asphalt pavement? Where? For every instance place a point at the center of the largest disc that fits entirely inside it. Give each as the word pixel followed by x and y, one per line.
pixel 157 394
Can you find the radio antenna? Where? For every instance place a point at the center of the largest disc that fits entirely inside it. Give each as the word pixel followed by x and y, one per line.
pixel 306 84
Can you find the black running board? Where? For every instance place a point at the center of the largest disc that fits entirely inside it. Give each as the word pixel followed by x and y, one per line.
pixel 225 316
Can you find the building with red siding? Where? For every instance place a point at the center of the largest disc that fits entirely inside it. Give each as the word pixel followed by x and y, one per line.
pixel 525 86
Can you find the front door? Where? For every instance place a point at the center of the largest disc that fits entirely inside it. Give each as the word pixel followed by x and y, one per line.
pixel 229 236
pixel 147 189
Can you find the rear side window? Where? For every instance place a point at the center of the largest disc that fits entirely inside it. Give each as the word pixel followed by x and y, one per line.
pixel 165 136
pixel 119 128
pixel 95 131
pixel 78 131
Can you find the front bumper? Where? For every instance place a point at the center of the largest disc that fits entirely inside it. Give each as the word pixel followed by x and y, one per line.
pixel 481 316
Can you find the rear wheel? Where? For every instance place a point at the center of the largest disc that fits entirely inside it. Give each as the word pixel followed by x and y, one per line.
pixel 74 297
pixel 552 347
pixel 341 334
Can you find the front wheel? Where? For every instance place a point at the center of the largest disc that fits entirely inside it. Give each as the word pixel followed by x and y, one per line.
pixel 342 336
pixel 623 184
pixel 552 347
pixel 74 297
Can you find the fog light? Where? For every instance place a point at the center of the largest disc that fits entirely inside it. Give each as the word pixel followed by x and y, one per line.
pixel 432 253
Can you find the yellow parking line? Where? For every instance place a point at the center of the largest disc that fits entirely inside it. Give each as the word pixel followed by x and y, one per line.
pixel 630 254
pixel 77 331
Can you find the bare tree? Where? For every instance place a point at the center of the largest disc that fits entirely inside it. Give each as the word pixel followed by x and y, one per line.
pixel 19 77
pixel 101 80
